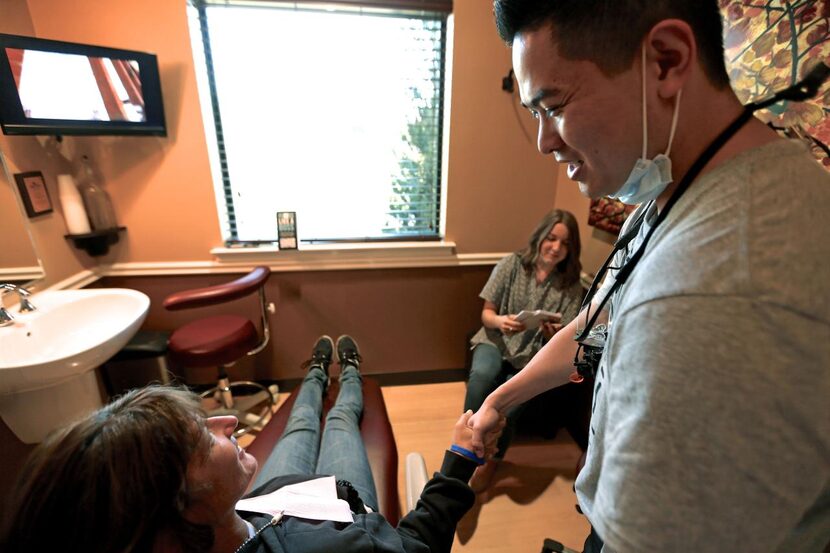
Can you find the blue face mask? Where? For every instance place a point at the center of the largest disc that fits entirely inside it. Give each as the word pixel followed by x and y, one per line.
pixel 649 177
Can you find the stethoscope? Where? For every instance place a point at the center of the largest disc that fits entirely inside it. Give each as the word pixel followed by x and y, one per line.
pixel 807 88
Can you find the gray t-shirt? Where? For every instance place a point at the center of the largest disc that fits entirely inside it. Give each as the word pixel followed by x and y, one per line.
pixel 512 289
pixel 711 421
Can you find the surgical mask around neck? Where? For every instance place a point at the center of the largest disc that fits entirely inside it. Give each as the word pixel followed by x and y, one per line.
pixel 649 177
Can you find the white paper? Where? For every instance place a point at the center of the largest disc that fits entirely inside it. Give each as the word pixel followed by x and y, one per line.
pixel 313 499
pixel 534 319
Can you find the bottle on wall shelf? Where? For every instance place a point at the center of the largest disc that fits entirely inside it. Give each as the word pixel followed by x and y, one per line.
pixel 72 205
pixel 96 200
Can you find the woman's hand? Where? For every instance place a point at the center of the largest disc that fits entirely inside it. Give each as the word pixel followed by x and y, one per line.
pixel 463 435
pixel 549 328
pixel 509 325
pixel 506 324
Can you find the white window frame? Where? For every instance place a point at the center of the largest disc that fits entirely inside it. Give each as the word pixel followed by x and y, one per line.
pixel 397 251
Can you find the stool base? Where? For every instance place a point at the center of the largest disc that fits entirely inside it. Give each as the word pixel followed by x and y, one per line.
pixel 250 402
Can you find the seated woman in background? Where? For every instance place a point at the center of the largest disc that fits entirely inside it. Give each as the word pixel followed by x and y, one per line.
pixel 542 276
pixel 150 472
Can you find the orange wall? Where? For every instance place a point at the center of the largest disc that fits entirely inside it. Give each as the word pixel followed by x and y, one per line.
pixel 498 185
pixel 161 187
pixel 26 153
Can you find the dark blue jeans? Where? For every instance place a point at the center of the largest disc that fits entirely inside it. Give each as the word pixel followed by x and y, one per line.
pixel 340 452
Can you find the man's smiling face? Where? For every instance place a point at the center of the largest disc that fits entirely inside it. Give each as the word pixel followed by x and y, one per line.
pixel 588 120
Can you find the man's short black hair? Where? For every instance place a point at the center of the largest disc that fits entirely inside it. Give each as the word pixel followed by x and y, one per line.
pixel 609 32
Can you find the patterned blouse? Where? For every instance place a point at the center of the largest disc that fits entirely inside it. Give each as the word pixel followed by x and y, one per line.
pixel 512 289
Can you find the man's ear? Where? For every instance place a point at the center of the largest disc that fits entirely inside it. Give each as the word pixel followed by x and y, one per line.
pixel 671 49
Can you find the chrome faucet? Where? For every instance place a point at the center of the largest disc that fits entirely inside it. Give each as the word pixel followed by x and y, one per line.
pixel 25 305
pixel 5 317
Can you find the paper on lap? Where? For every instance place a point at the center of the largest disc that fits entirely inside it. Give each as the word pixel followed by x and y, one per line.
pixel 314 499
pixel 534 319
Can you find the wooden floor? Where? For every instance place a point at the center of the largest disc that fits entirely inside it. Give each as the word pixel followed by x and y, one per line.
pixel 532 496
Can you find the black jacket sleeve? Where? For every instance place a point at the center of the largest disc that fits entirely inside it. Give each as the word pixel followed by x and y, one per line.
pixel 445 499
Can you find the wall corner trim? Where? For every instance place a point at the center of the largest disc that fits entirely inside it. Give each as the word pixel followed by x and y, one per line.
pixel 78 280
pixel 324 262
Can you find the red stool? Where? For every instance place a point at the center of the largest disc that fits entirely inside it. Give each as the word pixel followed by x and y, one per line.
pixel 221 341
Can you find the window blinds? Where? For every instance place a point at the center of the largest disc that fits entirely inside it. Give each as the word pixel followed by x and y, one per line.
pixel 412 200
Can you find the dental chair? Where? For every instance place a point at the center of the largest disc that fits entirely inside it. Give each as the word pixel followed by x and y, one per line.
pixel 222 340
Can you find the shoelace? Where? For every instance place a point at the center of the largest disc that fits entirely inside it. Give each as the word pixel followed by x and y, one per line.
pixel 316 359
pixel 350 357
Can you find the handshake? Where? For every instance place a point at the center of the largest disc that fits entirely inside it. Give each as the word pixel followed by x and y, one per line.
pixel 464 434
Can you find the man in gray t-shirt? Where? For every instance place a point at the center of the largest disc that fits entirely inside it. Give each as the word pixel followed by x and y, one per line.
pixel 711 422
pixel 712 393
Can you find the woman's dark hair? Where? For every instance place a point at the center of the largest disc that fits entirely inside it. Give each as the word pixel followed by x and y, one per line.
pixel 570 267
pixel 113 481
pixel 609 32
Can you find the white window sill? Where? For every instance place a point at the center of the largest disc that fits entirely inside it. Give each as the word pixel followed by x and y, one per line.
pixel 330 257
pixel 325 257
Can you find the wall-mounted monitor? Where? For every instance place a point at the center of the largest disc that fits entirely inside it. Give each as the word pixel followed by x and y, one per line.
pixel 62 88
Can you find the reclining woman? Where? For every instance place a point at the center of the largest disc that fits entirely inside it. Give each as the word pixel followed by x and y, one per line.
pixel 149 472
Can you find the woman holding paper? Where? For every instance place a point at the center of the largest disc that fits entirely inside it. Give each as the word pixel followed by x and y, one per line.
pixel 543 276
pixel 150 473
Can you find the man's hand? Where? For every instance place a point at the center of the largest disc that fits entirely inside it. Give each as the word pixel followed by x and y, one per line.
pixel 484 423
pixel 509 325
pixel 463 435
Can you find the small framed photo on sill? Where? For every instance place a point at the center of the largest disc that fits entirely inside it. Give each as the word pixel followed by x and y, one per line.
pixel 287 230
pixel 33 192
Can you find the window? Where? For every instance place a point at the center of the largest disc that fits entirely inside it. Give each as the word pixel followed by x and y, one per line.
pixel 331 110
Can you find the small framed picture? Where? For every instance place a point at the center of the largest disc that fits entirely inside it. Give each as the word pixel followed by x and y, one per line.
pixel 33 192
pixel 287 230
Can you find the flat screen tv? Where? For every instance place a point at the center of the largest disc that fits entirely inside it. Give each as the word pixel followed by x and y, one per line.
pixel 62 88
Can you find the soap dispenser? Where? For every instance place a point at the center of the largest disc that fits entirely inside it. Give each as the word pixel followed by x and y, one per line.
pixel 96 200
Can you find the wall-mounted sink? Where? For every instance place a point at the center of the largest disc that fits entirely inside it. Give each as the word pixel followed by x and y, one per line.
pixel 47 356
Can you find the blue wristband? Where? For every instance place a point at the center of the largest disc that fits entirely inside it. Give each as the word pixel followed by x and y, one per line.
pixel 467 453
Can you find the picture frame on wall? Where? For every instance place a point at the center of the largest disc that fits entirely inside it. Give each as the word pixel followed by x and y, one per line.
pixel 287 230
pixel 608 214
pixel 33 192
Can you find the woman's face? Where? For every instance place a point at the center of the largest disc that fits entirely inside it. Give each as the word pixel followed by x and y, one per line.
pixel 216 481
pixel 554 247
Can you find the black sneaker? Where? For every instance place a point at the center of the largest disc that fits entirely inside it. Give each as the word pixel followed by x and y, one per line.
pixel 321 354
pixel 347 352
